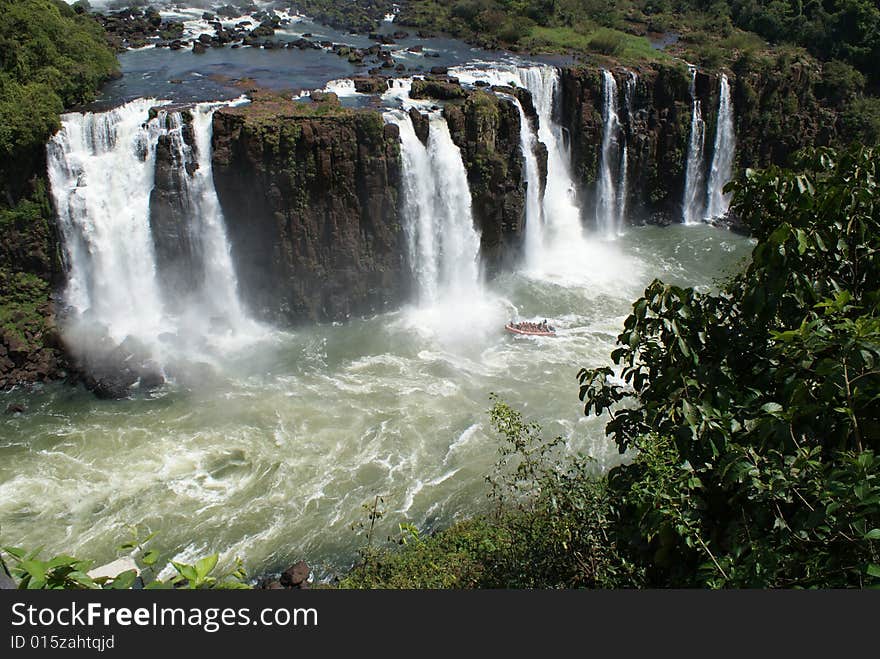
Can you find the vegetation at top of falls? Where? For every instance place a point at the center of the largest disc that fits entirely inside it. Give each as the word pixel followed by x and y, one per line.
pixel 436 89
pixel 269 107
pixel 50 58
pixel 751 417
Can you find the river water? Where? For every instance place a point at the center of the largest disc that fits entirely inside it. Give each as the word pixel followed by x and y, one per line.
pixel 270 452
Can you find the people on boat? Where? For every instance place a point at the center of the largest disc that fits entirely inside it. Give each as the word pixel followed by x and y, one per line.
pixel 527 326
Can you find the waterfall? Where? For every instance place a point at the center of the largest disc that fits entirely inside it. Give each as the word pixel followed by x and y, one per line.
pixel 102 170
pixel 606 205
pixel 528 140
pixel 722 157
pixel 623 193
pixel 560 245
pixel 206 221
pixel 563 231
pixel 692 205
pixel 442 242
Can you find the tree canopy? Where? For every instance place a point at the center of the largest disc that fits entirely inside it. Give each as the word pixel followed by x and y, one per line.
pixel 50 58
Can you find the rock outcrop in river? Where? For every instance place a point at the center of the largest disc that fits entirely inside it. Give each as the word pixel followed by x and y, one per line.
pixel 310 196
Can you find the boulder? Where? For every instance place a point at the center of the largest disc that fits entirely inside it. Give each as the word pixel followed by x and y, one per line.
pixel 296 576
pixel 421 124
pixel 374 85
pixel 438 89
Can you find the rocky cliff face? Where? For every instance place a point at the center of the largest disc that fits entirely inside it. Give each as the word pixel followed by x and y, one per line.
pixel 30 347
pixel 486 128
pixel 778 111
pixel 170 206
pixel 776 114
pixel 310 197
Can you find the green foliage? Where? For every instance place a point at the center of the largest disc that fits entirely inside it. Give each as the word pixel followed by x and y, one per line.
pixel 840 82
pixel 551 527
pixel 22 298
pixel 51 57
pixel 861 120
pixel 69 573
pixel 756 411
pixel 57 573
pixel 607 43
pixel 847 30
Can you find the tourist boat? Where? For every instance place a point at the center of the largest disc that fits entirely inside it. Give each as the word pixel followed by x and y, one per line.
pixel 523 328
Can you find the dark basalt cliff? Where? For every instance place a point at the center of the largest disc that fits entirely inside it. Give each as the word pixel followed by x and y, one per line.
pixel 310 197
pixel 171 208
pixel 776 114
pixel 656 126
pixel 486 128
pixel 30 347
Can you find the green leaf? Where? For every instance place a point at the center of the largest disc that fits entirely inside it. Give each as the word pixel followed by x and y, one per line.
pixel 188 572
pixel 873 570
pixel 150 558
pixel 82 579
pixel 61 561
pixel 36 569
pixel 689 413
pixel 205 565
pixel 772 408
pixel 15 552
pixel 124 580
pixel 873 534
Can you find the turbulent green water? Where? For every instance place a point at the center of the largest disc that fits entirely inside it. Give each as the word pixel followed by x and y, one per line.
pixel 269 453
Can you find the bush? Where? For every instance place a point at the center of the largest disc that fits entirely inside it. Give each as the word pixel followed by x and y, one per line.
pixel 840 82
pixel 861 120
pixel 757 410
pixel 607 43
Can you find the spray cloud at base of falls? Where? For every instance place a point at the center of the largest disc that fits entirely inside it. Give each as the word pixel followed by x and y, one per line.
pixel 102 171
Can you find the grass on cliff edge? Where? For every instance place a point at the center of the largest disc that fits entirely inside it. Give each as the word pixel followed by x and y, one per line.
pixel 592 39
pixel 267 105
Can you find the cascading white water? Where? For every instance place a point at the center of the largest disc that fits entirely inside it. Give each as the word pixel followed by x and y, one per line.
pixel 694 192
pixel 534 209
pixel 563 247
pixel 722 156
pixel 221 290
pixel 101 168
pixel 606 202
pixel 101 171
pixel 563 234
pixel 443 243
pixel 623 192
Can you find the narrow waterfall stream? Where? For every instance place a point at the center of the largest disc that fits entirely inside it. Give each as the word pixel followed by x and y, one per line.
pixel 723 153
pixel 694 190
